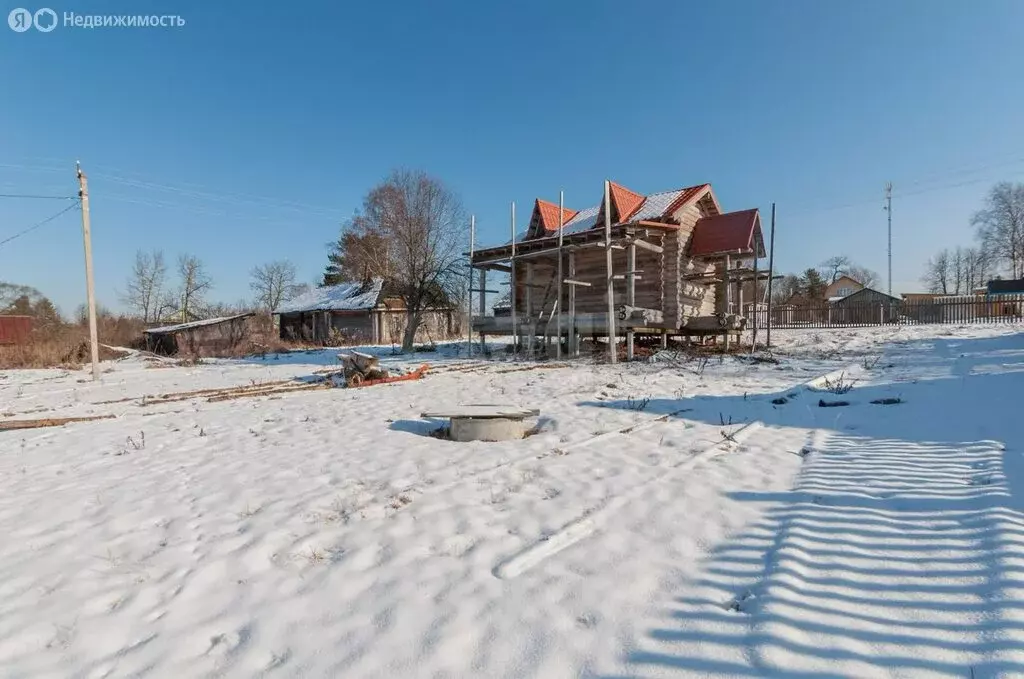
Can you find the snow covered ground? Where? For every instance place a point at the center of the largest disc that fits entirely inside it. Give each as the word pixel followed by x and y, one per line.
pixel 677 518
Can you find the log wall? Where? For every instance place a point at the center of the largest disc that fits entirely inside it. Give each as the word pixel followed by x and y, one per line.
pixel 658 286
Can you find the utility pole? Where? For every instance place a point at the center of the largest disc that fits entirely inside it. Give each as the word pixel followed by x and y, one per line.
pixel 83 196
pixel 888 209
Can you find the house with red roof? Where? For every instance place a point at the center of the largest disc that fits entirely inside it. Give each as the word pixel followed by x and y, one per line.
pixel 676 256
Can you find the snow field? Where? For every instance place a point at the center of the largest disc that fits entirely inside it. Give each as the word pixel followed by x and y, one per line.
pixel 326 533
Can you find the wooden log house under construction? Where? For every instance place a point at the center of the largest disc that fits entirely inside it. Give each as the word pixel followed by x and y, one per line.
pixel 670 263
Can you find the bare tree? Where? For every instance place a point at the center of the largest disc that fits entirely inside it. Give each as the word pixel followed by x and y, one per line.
pixel 273 283
pixel 977 268
pixel 785 289
pixel 862 275
pixel 938 273
pixel 193 284
pixel 1000 226
pixel 409 233
pixel 834 268
pixel 145 284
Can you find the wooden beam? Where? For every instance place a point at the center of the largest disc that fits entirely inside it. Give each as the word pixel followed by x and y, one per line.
pixel 650 247
pixel 558 321
pixel 631 296
pixel 529 303
pixel 573 344
pixel 469 295
pixel 622 277
pixel 497 267
pixel 512 282
pixel 728 294
pixel 569 281
pixel 610 291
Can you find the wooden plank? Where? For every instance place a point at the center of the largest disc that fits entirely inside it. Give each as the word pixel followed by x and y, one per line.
pixel 497 267
pixel 569 281
pixel 482 411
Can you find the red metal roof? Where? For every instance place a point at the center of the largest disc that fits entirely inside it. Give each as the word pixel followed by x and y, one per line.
pixel 548 213
pixel 728 232
pixel 625 201
pixel 15 329
pixel 686 195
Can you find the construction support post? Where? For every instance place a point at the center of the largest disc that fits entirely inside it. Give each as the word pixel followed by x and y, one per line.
pixel 483 308
pixel 512 284
pixel 771 276
pixel 574 345
pixel 612 356
pixel 529 324
pixel 753 341
pixel 469 291
pixel 631 298
pixel 558 304
pixel 728 297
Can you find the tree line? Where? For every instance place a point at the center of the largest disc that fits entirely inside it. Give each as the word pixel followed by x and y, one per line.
pixel 153 296
pixel 998 249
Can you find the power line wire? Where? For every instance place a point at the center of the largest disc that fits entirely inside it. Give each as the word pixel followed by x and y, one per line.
pixel 33 195
pixel 39 224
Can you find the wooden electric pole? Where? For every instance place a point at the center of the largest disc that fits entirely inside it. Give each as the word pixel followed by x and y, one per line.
pixel 83 195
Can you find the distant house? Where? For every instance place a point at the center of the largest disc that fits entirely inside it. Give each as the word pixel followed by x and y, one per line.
pixel 1007 296
pixel 1008 287
pixel 356 312
pixel 14 329
pixel 208 337
pixel 844 286
pixel 865 306
pixel 503 307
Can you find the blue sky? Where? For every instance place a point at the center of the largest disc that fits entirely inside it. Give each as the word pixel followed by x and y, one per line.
pixel 253 131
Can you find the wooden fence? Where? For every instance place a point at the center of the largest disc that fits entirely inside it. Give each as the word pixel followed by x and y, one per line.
pixel 939 310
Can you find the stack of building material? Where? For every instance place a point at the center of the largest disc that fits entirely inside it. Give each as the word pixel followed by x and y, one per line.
pixel 360 368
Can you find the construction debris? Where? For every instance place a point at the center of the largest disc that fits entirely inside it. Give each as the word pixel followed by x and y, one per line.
pixel 49 422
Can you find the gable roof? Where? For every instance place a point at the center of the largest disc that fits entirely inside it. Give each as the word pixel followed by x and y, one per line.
pixel 547 215
pixel 624 201
pixel 342 297
pixel 863 292
pixel 730 232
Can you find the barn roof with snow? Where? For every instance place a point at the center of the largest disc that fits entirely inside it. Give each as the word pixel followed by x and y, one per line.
pixel 342 297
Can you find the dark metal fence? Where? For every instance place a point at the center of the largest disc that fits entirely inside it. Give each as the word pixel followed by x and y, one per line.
pixel 938 310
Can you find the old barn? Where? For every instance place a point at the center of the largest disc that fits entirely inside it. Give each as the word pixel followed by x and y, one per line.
pixel 208 337
pixel 360 312
pixel 663 263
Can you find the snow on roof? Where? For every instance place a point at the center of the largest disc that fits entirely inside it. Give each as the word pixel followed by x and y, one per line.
pixel 193 324
pixel 655 206
pixel 341 297
pixel 584 219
